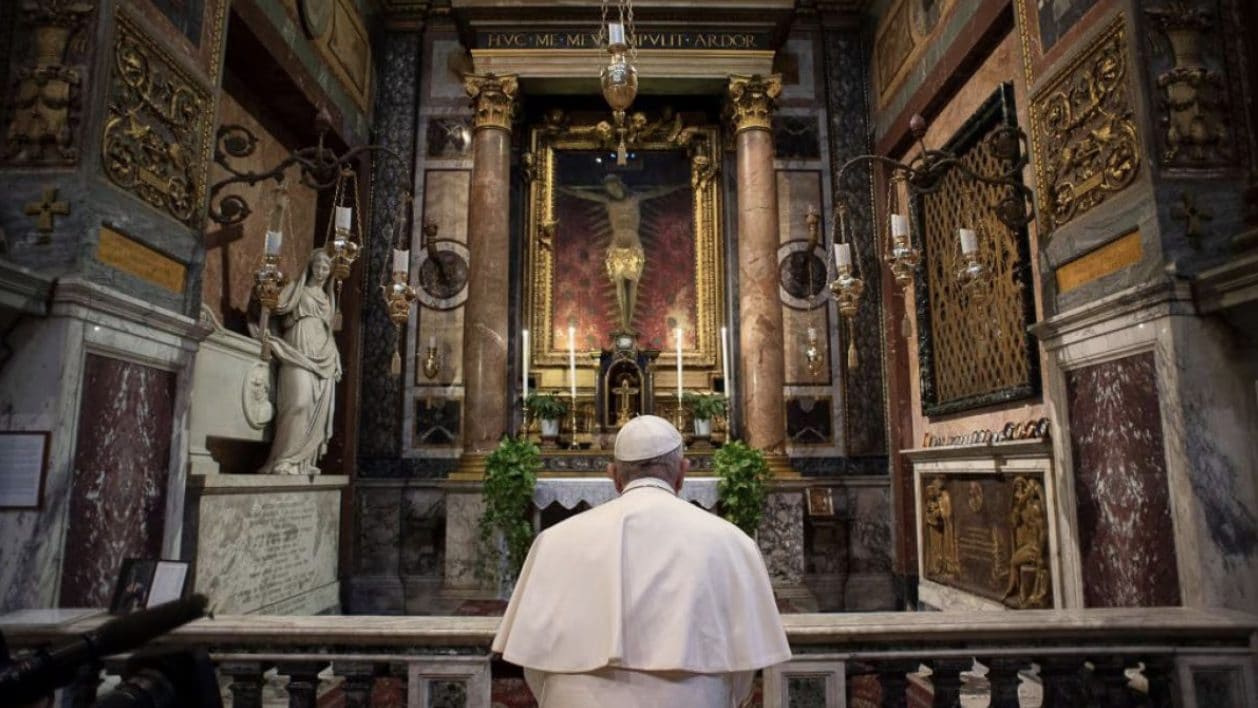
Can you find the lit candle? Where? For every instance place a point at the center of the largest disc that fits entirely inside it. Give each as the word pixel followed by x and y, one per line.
pixel 274 239
pixel 344 216
pixel 725 358
pixel 572 363
pixel 812 335
pixel 843 255
pixel 899 226
pixel 969 241
pixel 432 341
pixel 524 376
pixel 615 33
pixel 401 260
pixel 677 333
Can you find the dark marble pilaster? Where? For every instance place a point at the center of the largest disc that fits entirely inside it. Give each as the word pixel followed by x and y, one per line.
pixel 121 465
pixel 1126 537
pixel 380 421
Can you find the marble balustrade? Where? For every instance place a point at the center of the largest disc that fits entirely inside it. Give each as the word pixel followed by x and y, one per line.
pixel 1098 657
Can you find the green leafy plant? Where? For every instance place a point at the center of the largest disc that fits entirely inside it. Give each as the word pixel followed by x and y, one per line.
pixel 742 484
pixel 704 406
pixel 545 406
pixel 510 476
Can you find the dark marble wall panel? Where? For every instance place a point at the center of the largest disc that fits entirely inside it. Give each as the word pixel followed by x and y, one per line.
pixel 380 420
pixel 121 463
pixel 1126 540
pixel 846 70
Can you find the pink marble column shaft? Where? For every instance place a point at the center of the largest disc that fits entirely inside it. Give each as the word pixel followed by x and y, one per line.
pixel 759 309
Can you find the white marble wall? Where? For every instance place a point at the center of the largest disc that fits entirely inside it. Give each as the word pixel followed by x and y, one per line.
pixel 219 388
pixel 781 537
pixel 40 390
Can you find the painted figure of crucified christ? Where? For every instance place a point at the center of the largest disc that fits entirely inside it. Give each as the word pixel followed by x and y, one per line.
pixel 625 257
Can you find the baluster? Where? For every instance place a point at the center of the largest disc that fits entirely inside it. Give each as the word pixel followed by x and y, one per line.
pixel 303 682
pixel 945 680
pixel 1061 678
pixel 1159 671
pixel 893 681
pixel 359 678
pixel 1002 674
pixel 1108 685
pixel 246 682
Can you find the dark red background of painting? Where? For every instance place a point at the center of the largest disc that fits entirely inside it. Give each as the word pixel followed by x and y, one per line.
pixel 582 292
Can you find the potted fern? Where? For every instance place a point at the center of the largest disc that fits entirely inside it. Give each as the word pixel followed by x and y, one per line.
pixel 703 408
pixel 507 491
pixel 742 484
pixel 549 409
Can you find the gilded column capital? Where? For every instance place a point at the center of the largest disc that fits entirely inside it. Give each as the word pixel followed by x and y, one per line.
pixel 751 100
pixel 493 99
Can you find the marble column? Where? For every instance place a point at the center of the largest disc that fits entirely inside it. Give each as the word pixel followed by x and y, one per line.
pixel 485 405
pixel 759 309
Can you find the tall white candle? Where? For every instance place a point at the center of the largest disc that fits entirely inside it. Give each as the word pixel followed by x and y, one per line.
pixel 274 239
pixel 401 260
pixel 969 241
pixel 725 358
pixel 344 216
pixel 524 375
pixel 615 33
pixel 677 333
pixel 432 341
pixel 812 335
pixel 572 363
pixel 899 225
pixel 843 255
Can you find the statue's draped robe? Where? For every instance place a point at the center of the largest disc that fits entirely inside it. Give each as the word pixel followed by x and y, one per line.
pixel 643 601
pixel 309 367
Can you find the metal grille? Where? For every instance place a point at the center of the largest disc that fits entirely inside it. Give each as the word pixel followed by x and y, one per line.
pixel 973 341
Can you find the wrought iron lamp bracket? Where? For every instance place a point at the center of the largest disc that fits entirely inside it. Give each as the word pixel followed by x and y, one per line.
pixel 320 165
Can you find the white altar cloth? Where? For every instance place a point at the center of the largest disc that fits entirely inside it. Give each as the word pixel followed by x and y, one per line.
pixel 596 490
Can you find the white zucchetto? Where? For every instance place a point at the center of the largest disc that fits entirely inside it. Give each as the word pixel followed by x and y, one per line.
pixel 646 437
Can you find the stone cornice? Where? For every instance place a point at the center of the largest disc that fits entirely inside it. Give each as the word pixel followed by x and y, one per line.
pixel 73 294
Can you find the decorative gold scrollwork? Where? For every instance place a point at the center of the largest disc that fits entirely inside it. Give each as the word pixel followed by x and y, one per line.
pixel 1085 134
pixel 156 132
pixel 493 99
pixel 751 101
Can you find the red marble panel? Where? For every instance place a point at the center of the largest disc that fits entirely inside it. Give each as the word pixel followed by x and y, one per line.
pixel 121 460
pixel 1126 540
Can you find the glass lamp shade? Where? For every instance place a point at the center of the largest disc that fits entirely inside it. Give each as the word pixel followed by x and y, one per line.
pixel 620 83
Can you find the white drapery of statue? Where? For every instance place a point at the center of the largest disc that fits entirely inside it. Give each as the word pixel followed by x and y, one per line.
pixel 310 366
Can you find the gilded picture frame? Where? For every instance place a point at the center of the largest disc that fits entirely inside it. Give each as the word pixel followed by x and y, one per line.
pixel 548 145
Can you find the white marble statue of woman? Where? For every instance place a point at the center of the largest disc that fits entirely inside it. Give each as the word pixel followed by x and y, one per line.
pixel 310 366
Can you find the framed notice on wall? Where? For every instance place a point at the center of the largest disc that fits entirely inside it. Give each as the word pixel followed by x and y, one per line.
pixel 23 459
pixel 145 583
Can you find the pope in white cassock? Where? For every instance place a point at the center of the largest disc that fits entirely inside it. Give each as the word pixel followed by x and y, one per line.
pixel 645 600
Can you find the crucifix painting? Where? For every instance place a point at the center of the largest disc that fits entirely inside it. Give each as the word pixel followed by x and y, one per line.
pixel 627 250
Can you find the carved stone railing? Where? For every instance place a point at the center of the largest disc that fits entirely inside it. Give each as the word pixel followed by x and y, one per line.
pixel 1122 657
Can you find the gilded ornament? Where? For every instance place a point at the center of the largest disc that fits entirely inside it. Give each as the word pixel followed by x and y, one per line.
pixel 751 101
pixel 1193 99
pixel 1029 584
pixel 493 99
pixel 45 101
pixel 156 134
pixel 1085 133
pixel 45 210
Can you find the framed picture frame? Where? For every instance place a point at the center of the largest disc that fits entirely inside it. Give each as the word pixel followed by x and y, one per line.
pixel 23 466
pixel 145 582
pixel 820 501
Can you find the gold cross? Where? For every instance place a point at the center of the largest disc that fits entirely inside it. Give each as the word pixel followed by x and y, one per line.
pixel 46 209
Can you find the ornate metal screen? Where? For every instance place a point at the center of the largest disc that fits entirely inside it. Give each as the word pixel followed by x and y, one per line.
pixel 973 342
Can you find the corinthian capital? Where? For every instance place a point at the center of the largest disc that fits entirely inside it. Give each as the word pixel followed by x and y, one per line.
pixel 493 98
pixel 751 100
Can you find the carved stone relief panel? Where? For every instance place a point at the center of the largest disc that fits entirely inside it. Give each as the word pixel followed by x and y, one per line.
pixel 1192 88
pixel 43 106
pixel 1086 144
pixel 156 140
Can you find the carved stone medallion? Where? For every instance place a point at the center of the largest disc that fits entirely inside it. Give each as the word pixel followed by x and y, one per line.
pixel 1087 148
pixel 256 396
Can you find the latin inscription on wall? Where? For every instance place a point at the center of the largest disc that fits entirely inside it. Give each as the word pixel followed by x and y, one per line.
pixel 257 550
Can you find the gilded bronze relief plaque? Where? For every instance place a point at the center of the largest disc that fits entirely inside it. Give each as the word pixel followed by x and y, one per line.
pixel 987 535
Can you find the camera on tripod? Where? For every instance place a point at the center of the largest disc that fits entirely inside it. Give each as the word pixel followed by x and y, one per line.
pixel 152 679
